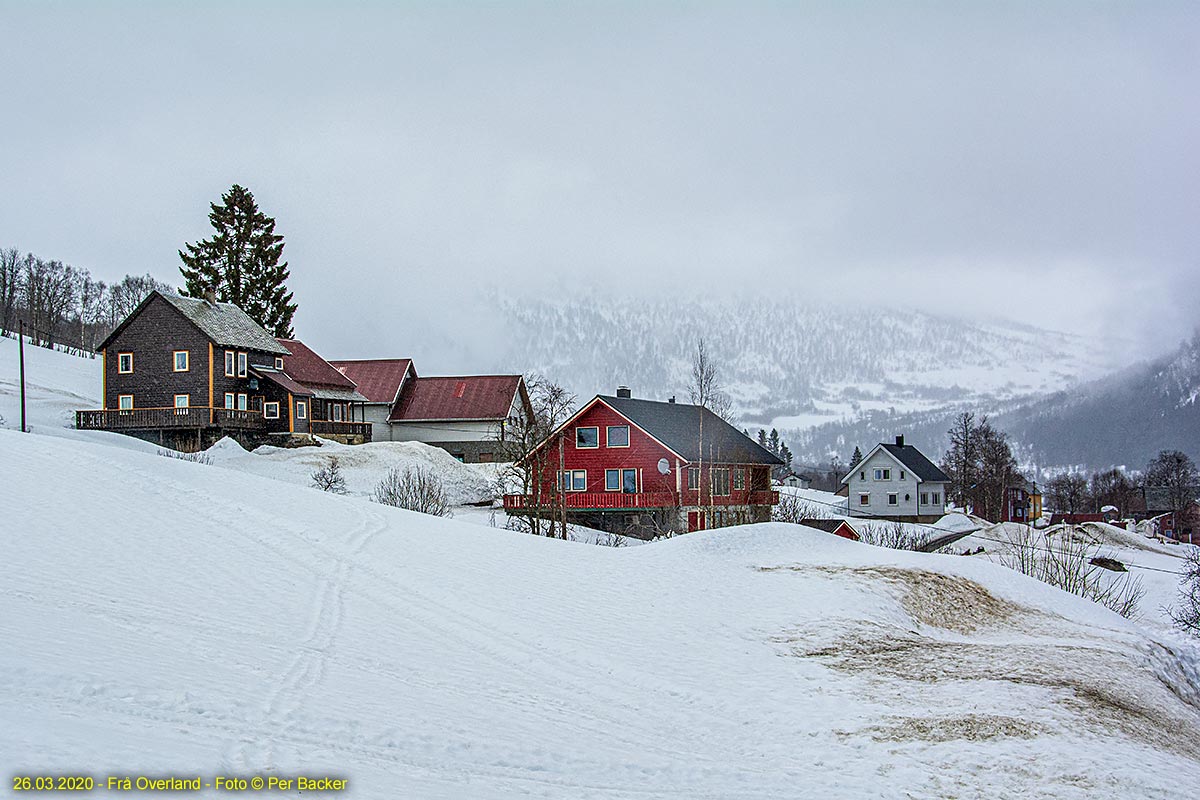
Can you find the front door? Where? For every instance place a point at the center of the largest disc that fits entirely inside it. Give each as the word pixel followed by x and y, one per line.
pixel 695 521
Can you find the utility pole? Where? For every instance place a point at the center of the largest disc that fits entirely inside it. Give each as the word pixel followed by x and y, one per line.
pixel 21 349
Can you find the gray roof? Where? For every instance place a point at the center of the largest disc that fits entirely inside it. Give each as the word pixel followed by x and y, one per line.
pixel 917 463
pixel 677 425
pixel 226 324
pixel 341 395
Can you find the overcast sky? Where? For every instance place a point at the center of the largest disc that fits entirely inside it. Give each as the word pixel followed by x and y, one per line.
pixel 1033 161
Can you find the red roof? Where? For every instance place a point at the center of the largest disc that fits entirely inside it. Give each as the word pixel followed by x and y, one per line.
pixel 378 379
pixel 462 397
pixel 309 368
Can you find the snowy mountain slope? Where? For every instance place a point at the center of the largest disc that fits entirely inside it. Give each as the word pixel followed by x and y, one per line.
pixel 795 362
pixel 177 617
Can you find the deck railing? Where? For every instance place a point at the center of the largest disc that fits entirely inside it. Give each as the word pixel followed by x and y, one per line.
pixel 116 419
pixel 620 500
pixel 324 427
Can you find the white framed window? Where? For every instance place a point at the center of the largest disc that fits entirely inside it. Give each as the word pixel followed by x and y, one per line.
pixel 739 480
pixel 124 363
pixel 229 356
pixel 242 362
pixel 338 412
pixel 901 474
pixel 693 477
pixel 864 499
pixel 936 497
pixel 271 410
pixel 229 400
pixel 182 400
pixel 721 482
pixel 573 480
pixel 612 480
pixel 924 498
pixel 241 402
pixel 883 475
pixel 180 363
pixel 279 363
pixel 587 438
pixel 629 481
pixel 125 402
pixel 893 499
pixel 301 409
pixel 616 436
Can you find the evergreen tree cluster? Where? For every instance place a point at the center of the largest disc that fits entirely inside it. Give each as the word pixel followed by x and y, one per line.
pixel 242 263
pixel 778 447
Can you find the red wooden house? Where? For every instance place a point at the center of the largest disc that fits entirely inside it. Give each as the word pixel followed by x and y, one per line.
pixel 644 468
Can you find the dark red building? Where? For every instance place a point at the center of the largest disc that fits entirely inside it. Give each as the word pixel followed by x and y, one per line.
pixel 645 468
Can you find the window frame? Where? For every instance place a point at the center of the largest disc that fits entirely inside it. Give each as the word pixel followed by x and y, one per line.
pixel 267 406
pixel 243 402
pixel 121 398
pixel 579 429
pixel 279 363
pixel 625 471
pixel 936 497
pixel 301 409
pixel 566 480
pixel 243 364
pixel 120 358
pixel 230 401
pixel 864 498
pixel 608 429
pixel 693 485
pixel 187 361
pixel 612 486
pixel 738 478
pixel 338 412
pixel 924 498
pixel 187 401
pixel 893 499
pixel 230 365
pixel 719 474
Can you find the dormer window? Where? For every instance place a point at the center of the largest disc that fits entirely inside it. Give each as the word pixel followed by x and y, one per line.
pixel 279 363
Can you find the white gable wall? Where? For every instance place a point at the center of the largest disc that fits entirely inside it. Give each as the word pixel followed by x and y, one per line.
pixel 900 482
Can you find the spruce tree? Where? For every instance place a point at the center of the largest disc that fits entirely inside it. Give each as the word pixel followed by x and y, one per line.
pixel 856 459
pixel 762 438
pixel 242 263
pixel 774 442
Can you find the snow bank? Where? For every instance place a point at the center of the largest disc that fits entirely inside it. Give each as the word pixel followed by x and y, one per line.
pixel 177 617
pixel 363 466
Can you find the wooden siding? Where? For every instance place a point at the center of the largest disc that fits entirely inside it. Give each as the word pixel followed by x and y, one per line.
pixel 642 454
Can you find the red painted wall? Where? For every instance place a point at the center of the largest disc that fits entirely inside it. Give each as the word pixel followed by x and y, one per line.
pixel 642 454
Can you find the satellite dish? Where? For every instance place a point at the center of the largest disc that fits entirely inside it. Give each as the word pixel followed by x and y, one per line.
pixel 664 466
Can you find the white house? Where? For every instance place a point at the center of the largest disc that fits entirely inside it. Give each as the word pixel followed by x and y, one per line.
pixel 897 481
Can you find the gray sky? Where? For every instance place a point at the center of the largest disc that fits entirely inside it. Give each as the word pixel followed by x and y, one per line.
pixel 1031 161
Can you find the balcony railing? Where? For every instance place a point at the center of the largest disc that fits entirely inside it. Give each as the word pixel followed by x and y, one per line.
pixel 322 427
pixel 117 419
pixel 621 500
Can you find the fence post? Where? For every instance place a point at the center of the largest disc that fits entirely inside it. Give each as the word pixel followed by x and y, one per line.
pixel 21 349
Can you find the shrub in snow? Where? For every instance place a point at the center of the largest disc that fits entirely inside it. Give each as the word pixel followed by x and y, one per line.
pixel 791 508
pixel 195 458
pixel 416 489
pixel 1187 615
pixel 895 535
pixel 1068 560
pixel 329 478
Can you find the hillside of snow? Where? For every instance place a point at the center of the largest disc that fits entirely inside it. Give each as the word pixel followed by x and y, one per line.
pixel 168 617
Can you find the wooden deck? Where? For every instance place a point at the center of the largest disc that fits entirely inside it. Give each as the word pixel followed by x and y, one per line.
pixel 632 501
pixel 149 419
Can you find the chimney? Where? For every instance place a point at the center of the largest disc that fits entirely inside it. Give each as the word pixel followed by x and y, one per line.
pixel 900 440
pixel 623 391
pixel 210 296
pixel 671 400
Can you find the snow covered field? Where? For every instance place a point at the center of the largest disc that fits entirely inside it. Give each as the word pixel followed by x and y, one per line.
pixel 167 617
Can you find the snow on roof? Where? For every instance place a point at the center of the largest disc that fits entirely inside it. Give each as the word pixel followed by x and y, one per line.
pixel 224 323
